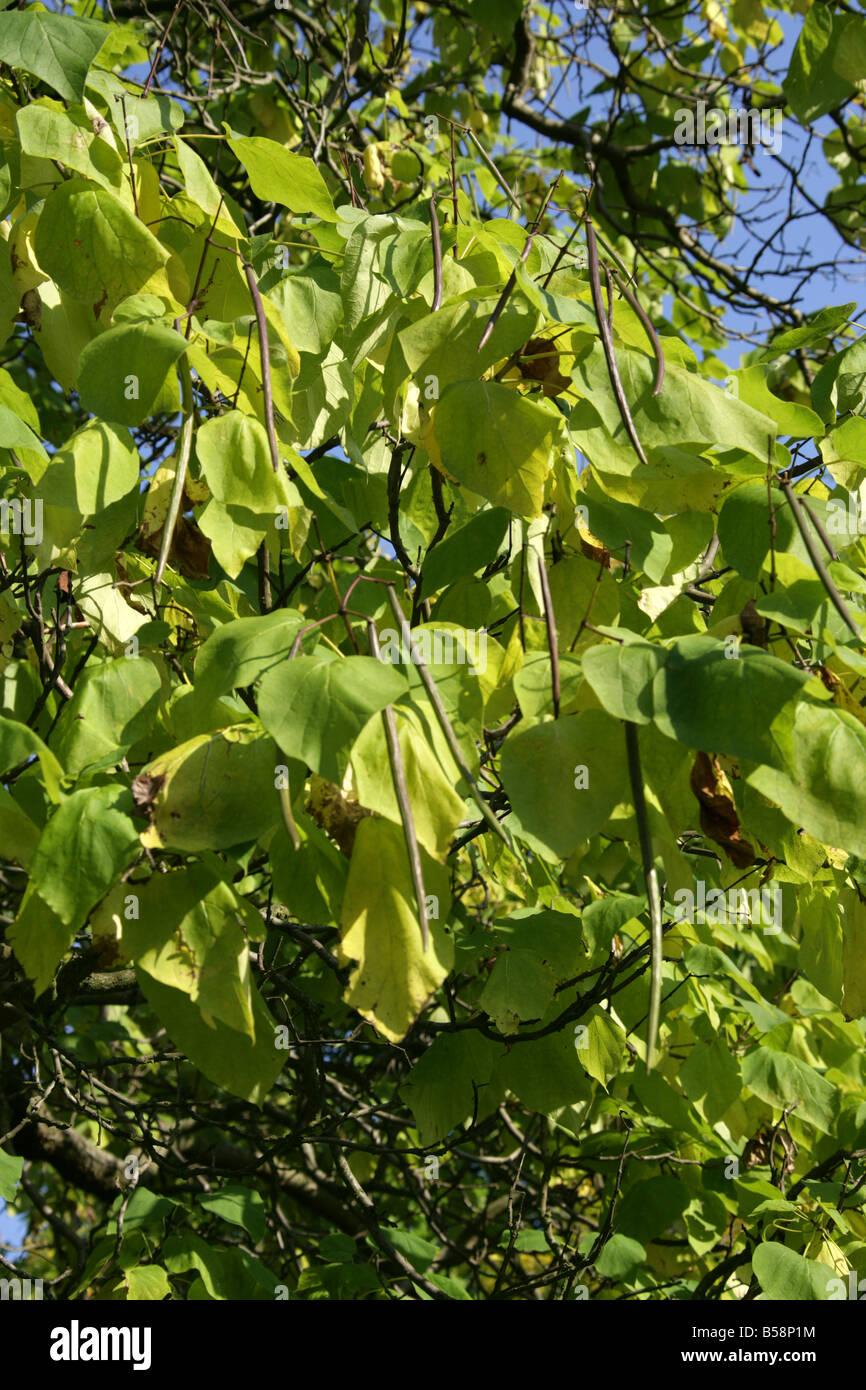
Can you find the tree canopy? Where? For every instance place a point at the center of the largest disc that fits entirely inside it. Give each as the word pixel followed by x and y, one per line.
pixel 432 671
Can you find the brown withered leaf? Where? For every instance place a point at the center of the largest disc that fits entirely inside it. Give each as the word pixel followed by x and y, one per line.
pixel 144 790
pixel 761 1147
pixel 753 625
pixel 719 820
pixel 599 553
pixel 190 549
pixel 539 361
pixel 337 814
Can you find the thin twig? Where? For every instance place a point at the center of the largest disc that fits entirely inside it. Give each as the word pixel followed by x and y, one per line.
pixel 491 166
pixel 652 889
pixel 550 623
pixel 158 55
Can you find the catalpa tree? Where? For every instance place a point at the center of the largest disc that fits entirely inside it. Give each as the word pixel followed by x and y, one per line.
pixel 433 793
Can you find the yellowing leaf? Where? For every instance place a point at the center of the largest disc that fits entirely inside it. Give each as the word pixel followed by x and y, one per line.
pixel 394 977
pixel 496 443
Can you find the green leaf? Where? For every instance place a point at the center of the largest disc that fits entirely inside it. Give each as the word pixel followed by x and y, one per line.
pixel 622 677
pixel 781 1079
pixel 190 933
pixel 338 1248
pixel 58 49
pixel 240 1206
pixel 92 246
pixel 533 685
pixel 744 529
pixel 812 85
pixel 617 524
pixel 467 550
pixel 237 653
pixel 229 1059
pixel 602 919
pixel 440 1089
pixel 236 463
pixel 849 59
pixel 742 705
pixel 650 1207
pixel 546 1075
pixel 445 344
pixel 564 779
pixel 147 1283
pixel 689 413
pixel 520 987
pixel 113 705
pixel 310 306
pixel 419 1252
pixel 785 1276
pixel 437 810
pixel 214 791
pixel 15 434
pixel 316 706
pixel 96 467
pixel 527 1242
pixel 620 1259
pixel 122 374
pixel 278 176
pixel 226 1274
pixel 394 977
pixel 853 954
pixel 48 132
pixel 605 1046
pixel 10 1175
pixel 711 1075
pixel 496 443
pixel 817 326
pixel 18 744
pixel 791 418
pixel 234 532
pixel 86 844
pixel 821 784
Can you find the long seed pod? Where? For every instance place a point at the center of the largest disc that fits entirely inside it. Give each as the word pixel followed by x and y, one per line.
pixel 437 256
pixel 491 166
pixel 550 623
pixel 652 890
pixel 641 312
pixel 265 358
pixel 442 718
pixel 398 777
pixel 817 560
pixel 607 340
pixel 184 450
pixel 289 816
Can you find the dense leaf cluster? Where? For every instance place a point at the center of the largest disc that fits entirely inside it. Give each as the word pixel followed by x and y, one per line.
pixel 433 810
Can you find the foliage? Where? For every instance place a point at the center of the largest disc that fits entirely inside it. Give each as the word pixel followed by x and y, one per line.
pixel 433 804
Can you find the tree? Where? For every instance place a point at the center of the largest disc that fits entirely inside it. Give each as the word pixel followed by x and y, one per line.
pixel 432 731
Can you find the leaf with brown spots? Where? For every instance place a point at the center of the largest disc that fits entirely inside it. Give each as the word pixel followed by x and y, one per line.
pixel 719 819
